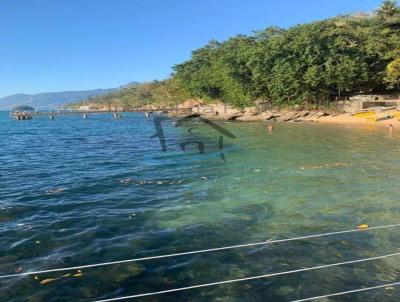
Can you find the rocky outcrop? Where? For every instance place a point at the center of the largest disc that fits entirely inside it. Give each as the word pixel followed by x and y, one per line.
pixel 266 115
pixel 288 116
pixel 188 104
pixel 249 114
pixel 221 111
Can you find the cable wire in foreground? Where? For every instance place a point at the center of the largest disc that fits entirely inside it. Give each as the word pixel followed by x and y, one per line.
pixel 348 292
pixel 249 278
pixel 29 273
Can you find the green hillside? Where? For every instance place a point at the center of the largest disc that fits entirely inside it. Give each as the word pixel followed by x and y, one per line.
pixel 167 92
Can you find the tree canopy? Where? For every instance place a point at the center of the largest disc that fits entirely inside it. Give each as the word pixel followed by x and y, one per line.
pixel 318 61
pixel 393 73
pixel 388 10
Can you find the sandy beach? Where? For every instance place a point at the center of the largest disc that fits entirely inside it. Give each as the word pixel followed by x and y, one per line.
pixel 347 119
pixel 222 112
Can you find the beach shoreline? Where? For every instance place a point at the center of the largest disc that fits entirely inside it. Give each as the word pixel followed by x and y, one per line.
pixel 349 120
pixel 218 112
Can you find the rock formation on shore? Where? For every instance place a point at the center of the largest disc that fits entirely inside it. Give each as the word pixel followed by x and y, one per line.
pixel 220 111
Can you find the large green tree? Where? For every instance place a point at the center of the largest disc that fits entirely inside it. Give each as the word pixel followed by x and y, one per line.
pixel 388 10
pixel 393 73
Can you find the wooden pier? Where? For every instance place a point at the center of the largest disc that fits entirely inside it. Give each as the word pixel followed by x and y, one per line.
pixel 27 115
pixel 22 115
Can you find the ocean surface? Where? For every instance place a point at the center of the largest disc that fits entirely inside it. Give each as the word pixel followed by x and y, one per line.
pixel 75 192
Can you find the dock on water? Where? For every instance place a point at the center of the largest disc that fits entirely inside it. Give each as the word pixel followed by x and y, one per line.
pixel 22 112
pixel 27 113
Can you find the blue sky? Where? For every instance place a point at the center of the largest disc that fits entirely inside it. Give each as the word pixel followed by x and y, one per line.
pixel 56 45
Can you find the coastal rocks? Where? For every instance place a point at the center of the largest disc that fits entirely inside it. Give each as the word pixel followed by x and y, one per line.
pixel 288 116
pixel 189 104
pixel 320 114
pixel 298 116
pixel 150 107
pixel 222 111
pixel 266 115
pixel 249 115
pixel 178 114
pixel 310 116
pixel 230 113
pixel 217 110
pixel 234 116
pixel 302 115
pixel 248 118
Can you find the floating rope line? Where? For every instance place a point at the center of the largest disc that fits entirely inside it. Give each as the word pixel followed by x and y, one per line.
pixel 195 252
pixel 249 278
pixel 348 292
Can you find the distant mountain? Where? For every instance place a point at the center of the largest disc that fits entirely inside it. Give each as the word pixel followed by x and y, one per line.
pixel 52 100
pixel 129 85
pixel 157 93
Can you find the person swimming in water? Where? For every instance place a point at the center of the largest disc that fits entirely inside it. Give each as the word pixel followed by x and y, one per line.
pixel 270 127
pixel 390 127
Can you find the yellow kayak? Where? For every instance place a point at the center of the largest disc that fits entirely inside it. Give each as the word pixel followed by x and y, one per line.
pixel 365 114
pixel 372 116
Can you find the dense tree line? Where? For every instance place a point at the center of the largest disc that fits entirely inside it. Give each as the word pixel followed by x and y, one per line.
pixel 309 63
pixel 313 62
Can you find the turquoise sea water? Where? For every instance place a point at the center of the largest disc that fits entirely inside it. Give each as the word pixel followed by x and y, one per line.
pixel 76 192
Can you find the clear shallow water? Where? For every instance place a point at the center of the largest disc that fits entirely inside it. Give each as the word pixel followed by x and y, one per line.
pixel 75 192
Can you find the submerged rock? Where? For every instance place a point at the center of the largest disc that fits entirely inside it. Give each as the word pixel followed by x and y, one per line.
pixel 284 290
pixel 134 269
pixel 89 292
pixel 5 218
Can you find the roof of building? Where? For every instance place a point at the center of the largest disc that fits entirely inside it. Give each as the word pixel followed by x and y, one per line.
pixel 23 108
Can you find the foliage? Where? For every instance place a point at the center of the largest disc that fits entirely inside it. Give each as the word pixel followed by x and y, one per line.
pixel 393 72
pixel 319 61
pixel 388 10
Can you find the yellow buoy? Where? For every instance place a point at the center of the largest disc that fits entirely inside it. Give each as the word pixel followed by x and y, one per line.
pixel 363 226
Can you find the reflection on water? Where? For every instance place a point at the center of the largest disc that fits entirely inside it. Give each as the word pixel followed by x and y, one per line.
pixel 76 191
